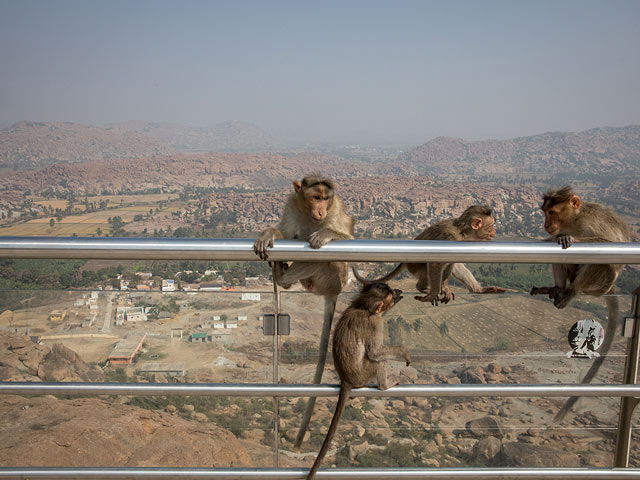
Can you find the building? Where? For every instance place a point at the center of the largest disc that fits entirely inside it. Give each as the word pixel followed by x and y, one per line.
pixel 211 286
pixel 221 336
pixel 251 296
pixel 57 315
pixel 231 324
pixel 242 318
pixel 169 369
pixel 199 337
pixel 136 314
pixel 168 285
pixel 126 349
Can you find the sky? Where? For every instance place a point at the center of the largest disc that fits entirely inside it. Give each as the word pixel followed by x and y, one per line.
pixel 326 71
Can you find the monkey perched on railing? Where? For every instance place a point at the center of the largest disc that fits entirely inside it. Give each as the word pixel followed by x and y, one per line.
pixel 568 219
pixel 315 214
pixel 475 224
pixel 359 354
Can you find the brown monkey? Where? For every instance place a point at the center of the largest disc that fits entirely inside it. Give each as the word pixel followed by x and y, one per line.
pixel 313 213
pixel 568 219
pixel 475 224
pixel 359 354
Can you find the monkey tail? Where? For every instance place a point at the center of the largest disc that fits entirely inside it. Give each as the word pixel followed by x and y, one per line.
pixel 345 390
pixel 394 273
pixel 329 310
pixel 613 308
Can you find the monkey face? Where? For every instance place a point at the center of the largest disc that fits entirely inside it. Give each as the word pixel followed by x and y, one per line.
pixel 317 199
pixel 484 228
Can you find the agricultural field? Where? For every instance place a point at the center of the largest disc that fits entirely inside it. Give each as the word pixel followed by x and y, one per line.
pixel 81 225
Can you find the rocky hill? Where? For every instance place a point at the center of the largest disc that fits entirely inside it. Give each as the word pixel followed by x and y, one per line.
pixel 96 431
pixel 34 144
pixel 598 151
pixel 224 137
pixel 255 171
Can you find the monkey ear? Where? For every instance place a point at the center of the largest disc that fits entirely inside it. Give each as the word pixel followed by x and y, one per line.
pixel 575 201
pixel 297 185
pixel 476 223
pixel 378 306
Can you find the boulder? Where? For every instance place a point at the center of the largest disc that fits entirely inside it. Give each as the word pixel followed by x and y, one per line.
pixel 485 426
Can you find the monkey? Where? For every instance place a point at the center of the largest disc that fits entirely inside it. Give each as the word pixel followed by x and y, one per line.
pixel 313 213
pixel 359 354
pixel 475 224
pixel 568 219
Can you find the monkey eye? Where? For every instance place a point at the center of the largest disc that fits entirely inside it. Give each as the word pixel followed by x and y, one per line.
pixel 551 212
pixel 317 197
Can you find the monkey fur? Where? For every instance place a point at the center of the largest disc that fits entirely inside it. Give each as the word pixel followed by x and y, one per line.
pixel 312 213
pixel 475 224
pixel 359 354
pixel 568 219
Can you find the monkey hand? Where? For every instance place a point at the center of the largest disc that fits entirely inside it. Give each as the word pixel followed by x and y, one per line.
pixel 432 298
pixel 564 240
pixel 446 295
pixel 320 238
pixel 561 297
pixel 496 290
pixel 261 244
pixel 539 290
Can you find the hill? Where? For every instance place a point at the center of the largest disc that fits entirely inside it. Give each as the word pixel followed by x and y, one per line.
pixel 223 137
pixel 596 152
pixel 35 144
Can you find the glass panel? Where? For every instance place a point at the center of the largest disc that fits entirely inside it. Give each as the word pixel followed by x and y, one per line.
pixel 507 338
pixel 136 336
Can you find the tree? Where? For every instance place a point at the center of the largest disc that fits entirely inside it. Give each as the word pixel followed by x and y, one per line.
pixel 52 222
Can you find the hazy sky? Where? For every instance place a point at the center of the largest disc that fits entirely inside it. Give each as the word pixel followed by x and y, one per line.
pixel 394 71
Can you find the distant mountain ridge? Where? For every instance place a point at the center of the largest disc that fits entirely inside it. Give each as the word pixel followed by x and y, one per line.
pixel 596 151
pixel 229 137
pixel 34 144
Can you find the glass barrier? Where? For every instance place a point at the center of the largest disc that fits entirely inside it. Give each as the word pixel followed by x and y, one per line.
pixel 494 338
pixel 217 336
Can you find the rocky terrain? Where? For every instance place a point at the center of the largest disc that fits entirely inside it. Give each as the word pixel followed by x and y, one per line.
pixel 224 137
pixel 34 144
pixel 96 431
pixel 601 151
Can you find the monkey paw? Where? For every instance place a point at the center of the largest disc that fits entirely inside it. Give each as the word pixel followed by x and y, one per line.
pixel 564 240
pixel 431 298
pixel 318 239
pixel 446 296
pixel 539 290
pixel 261 245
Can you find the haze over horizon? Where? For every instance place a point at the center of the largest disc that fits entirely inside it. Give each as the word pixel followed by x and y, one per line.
pixel 402 72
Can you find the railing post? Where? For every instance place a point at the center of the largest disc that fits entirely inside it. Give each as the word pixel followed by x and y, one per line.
pixel 628 404
pixel 276 376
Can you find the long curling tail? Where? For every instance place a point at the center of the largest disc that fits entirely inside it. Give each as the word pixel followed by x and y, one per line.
pixel 393 273
pixel 329 310
pixel 613 307
pixel 345 390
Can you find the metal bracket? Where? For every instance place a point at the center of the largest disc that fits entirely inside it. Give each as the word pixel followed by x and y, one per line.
pixel 628 324
pixel 269 324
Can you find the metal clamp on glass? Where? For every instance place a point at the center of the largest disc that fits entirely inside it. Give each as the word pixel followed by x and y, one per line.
pixel 269 324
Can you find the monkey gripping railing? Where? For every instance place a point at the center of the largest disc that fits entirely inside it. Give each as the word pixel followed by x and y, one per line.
pixel 354 251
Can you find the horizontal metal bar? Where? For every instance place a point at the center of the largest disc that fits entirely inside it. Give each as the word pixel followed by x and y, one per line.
pixel 290 390
pixel 345 250
pixel 333 473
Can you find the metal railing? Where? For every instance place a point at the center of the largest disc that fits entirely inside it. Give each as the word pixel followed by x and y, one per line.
pixel 350 250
